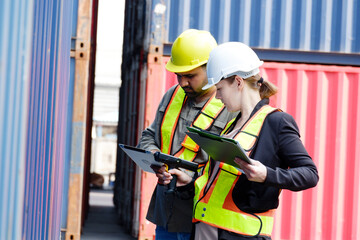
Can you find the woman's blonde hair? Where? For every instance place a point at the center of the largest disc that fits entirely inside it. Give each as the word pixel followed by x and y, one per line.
pixel 266 88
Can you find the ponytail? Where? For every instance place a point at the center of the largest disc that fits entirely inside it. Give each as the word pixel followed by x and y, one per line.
pixel 266 88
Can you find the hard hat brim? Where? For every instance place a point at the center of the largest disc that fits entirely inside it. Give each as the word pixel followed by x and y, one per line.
pixel 179 69
pixel 207 86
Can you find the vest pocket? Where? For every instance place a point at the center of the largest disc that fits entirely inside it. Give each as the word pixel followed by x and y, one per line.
pixel 254 197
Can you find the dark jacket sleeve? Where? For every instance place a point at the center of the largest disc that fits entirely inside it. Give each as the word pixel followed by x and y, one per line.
pixel 299 171
pixel 150 137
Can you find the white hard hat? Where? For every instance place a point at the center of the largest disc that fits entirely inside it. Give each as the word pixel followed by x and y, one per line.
pixel 231 58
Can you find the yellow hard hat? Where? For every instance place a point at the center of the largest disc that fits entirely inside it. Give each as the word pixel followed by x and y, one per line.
pixel 190 50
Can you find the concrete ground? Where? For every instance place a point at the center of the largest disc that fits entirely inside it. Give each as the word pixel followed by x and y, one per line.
pixel 101 222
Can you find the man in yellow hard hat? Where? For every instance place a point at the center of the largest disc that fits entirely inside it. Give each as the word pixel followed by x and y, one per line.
pixel 183 105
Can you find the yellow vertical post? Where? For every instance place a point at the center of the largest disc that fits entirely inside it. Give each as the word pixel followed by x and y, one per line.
pixel 82 57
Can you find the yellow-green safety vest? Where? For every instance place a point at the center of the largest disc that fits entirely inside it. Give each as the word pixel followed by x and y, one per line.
pixel 212 108
pixel 216 206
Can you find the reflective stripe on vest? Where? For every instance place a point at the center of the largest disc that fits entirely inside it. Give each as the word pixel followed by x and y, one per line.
pixel 216 206
pixel 204 120
pixel 170 119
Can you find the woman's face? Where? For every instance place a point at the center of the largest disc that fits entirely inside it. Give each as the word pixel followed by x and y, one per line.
pixel 229 93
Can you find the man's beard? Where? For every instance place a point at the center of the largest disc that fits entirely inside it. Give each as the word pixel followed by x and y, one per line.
pixel 191 93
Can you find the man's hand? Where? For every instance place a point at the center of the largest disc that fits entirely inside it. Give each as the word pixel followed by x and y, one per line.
pixel 256 171
pixel 154 150
pixel 165 177
pixel 182 178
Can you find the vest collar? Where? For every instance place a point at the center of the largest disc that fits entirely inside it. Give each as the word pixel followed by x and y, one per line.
pixel 259 105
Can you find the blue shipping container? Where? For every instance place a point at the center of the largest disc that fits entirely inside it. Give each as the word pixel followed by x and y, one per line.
pixel 309 25
pixel 50 106
pixel 15 51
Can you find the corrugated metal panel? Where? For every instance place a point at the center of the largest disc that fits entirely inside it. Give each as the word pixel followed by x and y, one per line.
pixel 324 25
pixel 15 39
pixel 131 112
pixel 48 123
pixel 325 102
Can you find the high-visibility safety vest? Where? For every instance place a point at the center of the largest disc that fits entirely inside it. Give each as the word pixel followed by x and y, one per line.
pixel 214 204
pixel 212 108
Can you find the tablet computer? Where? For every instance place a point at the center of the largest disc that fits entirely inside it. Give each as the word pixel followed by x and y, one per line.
pixel 144 159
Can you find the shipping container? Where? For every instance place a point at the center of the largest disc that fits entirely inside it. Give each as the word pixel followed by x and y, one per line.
pixel 15 53
pixel 131 113
pixel 310 25
pixel 311 51
pixel 50 128
pixel 43 122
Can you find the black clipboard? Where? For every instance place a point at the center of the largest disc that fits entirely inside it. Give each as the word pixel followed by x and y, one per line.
pixel 219 148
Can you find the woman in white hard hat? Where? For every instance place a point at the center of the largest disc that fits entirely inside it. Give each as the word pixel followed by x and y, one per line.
pixel 228 203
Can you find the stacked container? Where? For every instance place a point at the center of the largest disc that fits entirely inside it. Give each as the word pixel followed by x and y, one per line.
pixel 311 51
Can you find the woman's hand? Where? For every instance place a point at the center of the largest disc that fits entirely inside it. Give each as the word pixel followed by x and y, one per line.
pixel 256 171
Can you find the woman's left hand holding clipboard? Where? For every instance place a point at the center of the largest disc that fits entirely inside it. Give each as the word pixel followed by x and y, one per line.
pixel 255 172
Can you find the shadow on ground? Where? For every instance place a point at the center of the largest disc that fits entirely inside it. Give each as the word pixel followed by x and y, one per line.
pixel 102 220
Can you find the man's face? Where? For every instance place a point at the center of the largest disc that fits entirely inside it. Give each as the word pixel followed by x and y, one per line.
pixel 193 81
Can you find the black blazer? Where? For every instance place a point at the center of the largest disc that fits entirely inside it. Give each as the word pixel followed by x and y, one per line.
pixel 289 166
